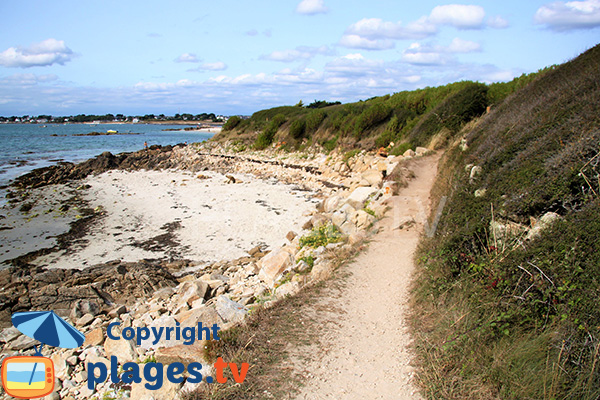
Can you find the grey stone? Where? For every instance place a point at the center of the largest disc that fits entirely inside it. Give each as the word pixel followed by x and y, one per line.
pixel 229 310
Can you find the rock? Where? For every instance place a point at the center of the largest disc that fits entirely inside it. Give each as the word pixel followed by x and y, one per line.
pixel 9 334
pixel 480 192
pixel 307 225
pixel 421 151
pixel 542 224
pixel 364 219
pixel 409 153
pixel 165 321
pixel 331 203
pixel 52 396
pixel 373 177
pixel 229 310
pixel 61 369
pixel 164 293
pixel 475 172
pixel 359 196
pixel 273 265
pixel 94 338
pixel 321 270
pixel 72 361
pixel 117 311
pixel 356 237
pixel 205 314
pixel 254 250
pixel 21 343
pixel 122 349
pixel 302 266
pixel 85 320
pixel 182 353
pixel 287 289
pixel 168 390
pixel 190 291
pixel 82 307
pixel 348 228
pixel 338 218
pixel 318 220
pixel 291 235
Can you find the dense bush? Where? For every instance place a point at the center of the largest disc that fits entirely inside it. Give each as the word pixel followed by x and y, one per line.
pixel 314 120
pixel 370 117
pixel 231 123
pixel 298 128
pixel 266 137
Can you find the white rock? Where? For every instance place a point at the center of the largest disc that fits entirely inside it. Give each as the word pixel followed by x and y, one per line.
pixel 359 196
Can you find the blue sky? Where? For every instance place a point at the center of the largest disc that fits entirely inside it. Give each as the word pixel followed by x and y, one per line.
pixel 235 57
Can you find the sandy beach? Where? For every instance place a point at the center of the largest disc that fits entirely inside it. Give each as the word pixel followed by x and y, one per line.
pixel 171 215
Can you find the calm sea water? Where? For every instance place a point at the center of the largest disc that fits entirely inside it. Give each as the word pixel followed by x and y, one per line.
pixel 24 147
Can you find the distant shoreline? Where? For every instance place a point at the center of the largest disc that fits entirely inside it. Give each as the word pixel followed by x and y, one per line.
pixel 188 123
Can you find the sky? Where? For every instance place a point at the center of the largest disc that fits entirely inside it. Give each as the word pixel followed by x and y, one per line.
pixel 231 57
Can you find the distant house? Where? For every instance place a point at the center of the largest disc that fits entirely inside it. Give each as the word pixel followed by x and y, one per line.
pixel 135 120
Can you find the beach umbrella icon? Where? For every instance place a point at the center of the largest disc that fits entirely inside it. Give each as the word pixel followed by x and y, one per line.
pixel 48 328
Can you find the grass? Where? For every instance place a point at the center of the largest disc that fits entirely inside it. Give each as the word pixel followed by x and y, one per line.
pixel 519 319
pixel 264 341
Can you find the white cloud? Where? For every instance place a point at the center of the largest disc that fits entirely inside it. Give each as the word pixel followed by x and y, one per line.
pixel 354 65
pixel 377 34
pixel 43 54
pixel 463 46
pixel 311 7
pixel 357 42
pixel 458 15
pixel 564 16
pixel 298 54
pixel 214 66
pixel 497 22
pixel 419 54
pixel 376 28
pixel 187 57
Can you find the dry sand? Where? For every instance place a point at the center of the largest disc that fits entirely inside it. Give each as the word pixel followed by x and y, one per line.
pixel 160 214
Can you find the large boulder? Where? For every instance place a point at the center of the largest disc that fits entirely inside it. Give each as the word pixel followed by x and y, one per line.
pixel 373 176
pixel 274 264
pixel 359 196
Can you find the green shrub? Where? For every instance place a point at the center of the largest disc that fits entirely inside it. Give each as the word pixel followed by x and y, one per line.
pixel 321 236
pixel 298 128
pixel 314 120
pixel 231 123
pixel 371 116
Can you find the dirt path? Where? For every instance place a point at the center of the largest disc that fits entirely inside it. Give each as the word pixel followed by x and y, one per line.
pixel 363 351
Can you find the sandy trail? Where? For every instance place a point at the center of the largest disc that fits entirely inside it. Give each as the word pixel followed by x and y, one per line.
pixel 363 352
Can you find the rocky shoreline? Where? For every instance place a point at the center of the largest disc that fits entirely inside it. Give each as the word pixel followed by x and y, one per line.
pixel 158 293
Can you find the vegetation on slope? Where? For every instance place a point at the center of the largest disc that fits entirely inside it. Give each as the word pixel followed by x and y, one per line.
pixel 429 116
pixel 498 315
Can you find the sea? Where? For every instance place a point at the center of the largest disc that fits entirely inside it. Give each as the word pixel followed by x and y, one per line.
pixel 24 147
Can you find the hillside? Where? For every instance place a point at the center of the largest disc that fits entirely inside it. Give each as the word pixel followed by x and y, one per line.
pixel 506 304
pixel 424 117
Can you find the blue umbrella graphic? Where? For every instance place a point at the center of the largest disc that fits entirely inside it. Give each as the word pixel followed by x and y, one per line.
pixel 48 328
